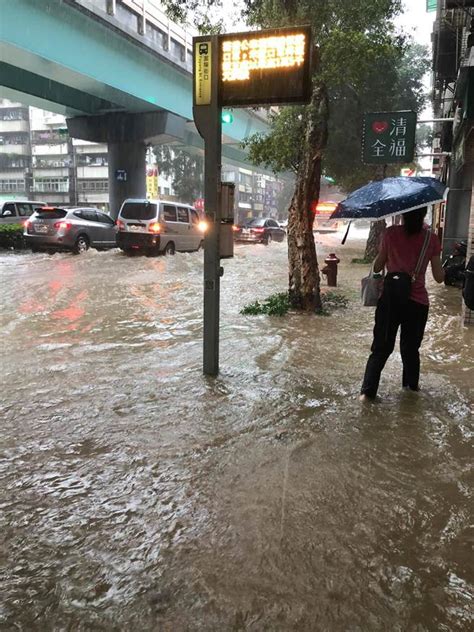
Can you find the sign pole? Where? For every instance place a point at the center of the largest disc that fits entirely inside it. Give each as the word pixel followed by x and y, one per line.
pixel 207 117
pixel 238 70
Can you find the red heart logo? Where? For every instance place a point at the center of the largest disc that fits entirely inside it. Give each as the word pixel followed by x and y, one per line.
pixel 379 126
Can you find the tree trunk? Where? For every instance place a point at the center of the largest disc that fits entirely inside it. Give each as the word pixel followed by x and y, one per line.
pixel 377 229
pixel 376 232
pixel 304 278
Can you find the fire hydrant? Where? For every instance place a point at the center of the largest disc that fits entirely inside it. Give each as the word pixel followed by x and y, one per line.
pixel 330 269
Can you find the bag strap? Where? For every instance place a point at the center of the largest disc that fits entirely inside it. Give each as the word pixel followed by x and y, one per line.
pixel 421 258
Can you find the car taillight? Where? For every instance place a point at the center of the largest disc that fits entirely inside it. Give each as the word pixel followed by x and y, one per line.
pixel 27 223
pixel 154 228
pixel 258 230
pixel 120 225
pixel 235 228
pixel 203 226
pixel 62 225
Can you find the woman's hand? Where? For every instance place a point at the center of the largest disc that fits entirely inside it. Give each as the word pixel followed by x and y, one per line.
pixel 380 261
pixel 437 269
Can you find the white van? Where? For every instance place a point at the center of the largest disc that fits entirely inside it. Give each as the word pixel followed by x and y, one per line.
pixel 154 226
pixel 17 211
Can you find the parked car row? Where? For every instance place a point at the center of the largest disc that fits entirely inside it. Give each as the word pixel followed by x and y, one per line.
pixel 147 226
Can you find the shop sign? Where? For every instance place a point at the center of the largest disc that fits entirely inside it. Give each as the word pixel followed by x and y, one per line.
pixel 389 137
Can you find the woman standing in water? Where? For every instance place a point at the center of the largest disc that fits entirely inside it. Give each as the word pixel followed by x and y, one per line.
pixel 399 254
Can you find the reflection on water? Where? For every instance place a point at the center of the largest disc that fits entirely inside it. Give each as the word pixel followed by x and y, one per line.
pixel 139 495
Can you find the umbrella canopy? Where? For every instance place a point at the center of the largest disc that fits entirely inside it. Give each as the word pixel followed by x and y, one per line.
pixel 391 196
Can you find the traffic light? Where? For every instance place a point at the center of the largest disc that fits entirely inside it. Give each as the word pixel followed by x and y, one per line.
pixel 227 117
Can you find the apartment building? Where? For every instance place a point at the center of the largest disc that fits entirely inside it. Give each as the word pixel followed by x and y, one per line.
pixel 38 160
pixel 15 150
pixel 256 194
pixel 453 98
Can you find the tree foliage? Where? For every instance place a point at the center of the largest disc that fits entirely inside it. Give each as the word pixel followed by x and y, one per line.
pixel 185 169
pixel 391 78
pixel 198 12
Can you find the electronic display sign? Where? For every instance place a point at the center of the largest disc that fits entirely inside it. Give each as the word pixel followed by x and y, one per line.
pixel 265 67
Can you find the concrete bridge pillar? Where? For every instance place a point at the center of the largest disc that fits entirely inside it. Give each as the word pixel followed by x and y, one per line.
pixel 127 136
pixel 127 173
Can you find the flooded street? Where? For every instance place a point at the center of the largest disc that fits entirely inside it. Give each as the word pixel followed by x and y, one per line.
pixel 137 494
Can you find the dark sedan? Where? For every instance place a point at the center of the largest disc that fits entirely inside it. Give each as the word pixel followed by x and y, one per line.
pixel 263 230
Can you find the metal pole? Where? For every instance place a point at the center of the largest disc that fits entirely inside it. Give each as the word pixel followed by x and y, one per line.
pixel 212 184
pixel 208 121
pixel 436 120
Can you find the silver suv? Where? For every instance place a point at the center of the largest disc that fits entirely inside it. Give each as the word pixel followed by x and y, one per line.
pixel 75 229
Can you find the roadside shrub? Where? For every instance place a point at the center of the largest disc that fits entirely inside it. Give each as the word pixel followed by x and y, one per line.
pixel 275 305
pixel 11 236
pixel 279 304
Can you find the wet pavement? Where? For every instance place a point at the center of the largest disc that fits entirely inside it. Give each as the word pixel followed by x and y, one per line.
pixel 137 494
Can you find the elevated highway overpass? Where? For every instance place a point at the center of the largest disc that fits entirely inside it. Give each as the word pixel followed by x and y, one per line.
pixel 119 70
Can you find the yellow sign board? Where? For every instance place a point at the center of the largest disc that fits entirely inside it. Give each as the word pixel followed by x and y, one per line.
pixel 202 72
pixel 152 184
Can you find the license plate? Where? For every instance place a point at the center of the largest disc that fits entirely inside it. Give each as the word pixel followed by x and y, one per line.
pixel 41 229
pixel 138 229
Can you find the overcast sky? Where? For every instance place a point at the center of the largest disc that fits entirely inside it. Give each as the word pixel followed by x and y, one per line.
pixel 417 21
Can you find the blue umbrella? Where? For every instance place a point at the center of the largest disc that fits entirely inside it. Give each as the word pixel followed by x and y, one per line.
pixel 391 196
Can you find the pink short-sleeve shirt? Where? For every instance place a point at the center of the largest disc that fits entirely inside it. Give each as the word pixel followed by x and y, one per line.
pixel 402 251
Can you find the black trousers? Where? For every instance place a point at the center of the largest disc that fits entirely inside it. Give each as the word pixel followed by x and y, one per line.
pixel 388 318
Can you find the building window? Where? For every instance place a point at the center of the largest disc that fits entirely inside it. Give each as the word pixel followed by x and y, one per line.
pixel 47 163
pixel 48 137
pixel 51 185
pixel 14 114
pixel 96 186
pixel 14 138
pixel 92 160
pixel 245 178
pixel 12 186
pixel 12 161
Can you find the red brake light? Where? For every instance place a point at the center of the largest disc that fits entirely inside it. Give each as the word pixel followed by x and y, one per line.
pixel 258 230
pixel 26 223
pixel 120 225
pixel 235 228
pixel 154 228
pixel 62 225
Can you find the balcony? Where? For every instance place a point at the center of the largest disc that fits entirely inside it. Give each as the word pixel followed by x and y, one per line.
pixel 14 125
pixel 92 171
pixel 19 150
pixel 50 150
pixel 50 172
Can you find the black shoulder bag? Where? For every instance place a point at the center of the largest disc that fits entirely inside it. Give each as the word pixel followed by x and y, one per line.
pixel 397 285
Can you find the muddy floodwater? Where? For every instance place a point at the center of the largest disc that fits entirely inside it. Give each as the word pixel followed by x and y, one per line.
pixel 138 495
